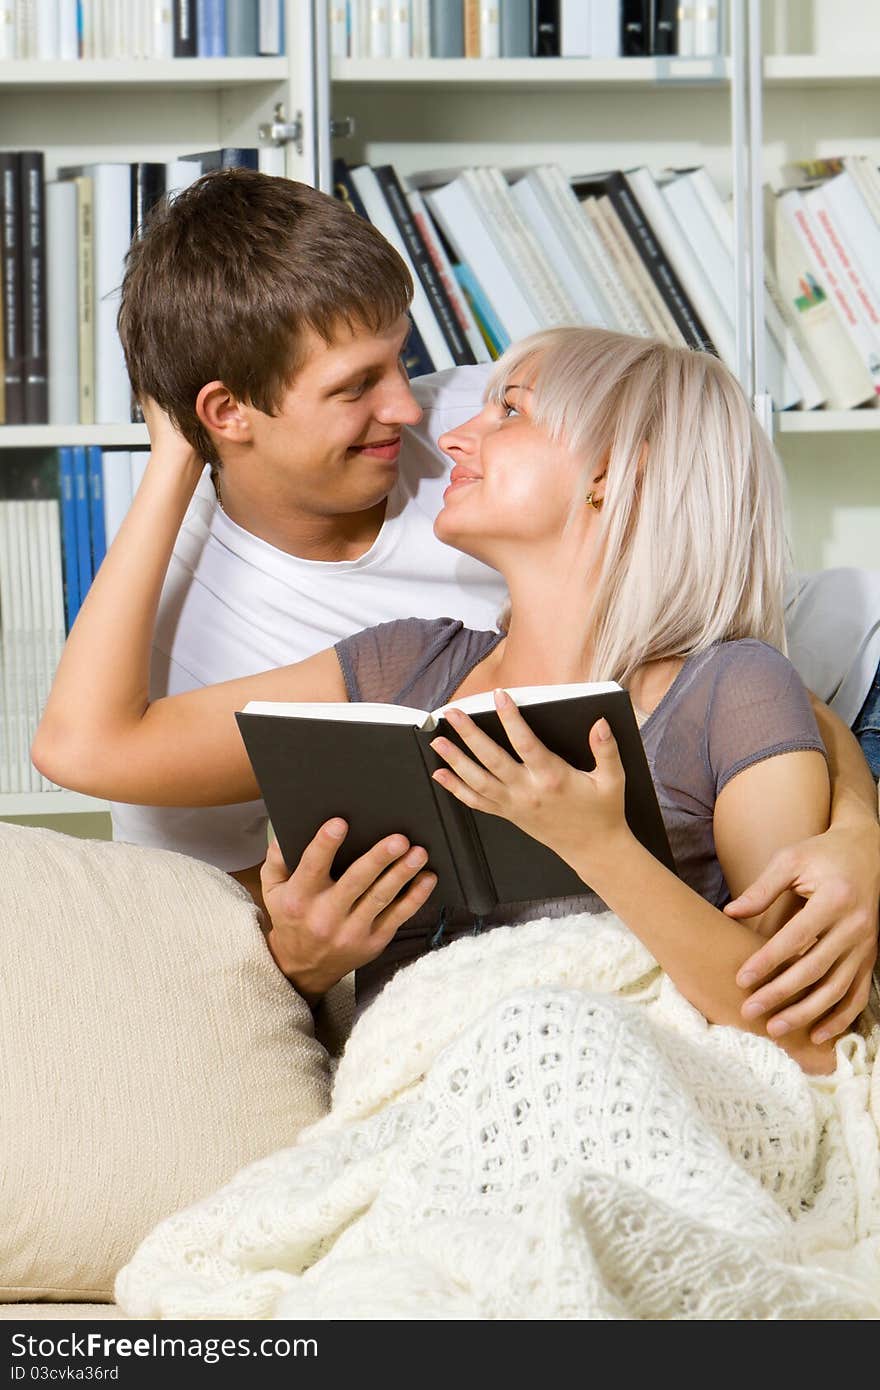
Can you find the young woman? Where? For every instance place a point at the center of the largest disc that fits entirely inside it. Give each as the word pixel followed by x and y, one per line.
pixel 634 507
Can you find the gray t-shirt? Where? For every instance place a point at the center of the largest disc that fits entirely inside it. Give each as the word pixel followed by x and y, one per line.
pixel 729 707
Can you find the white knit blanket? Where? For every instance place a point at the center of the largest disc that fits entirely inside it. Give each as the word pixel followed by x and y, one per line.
pixel 534 1124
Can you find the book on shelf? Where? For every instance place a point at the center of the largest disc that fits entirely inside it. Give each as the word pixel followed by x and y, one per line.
pixel 482 37
pixel 691 274
pixel 116 488
pixel 704 218
pixel 515 29
pixel 537 207
pixel 70 553
pixel 488 322
pixel 575 36
pixel 545 28
pixel 423 264
pixel 614 184
pixel 35 362
pixel 461 215
pixel 372 765
pixel 111 233
pixel 443 266
pixel 148 183
pixel 640 317
pixel 809 279
pixel 446 29
pixel 211 28
pixel 270 27
pixel 62 273
pixel 10 225
pixel 597 265
pixel 85 295
pixel 373 198
pixel 851 240
pixel 844 279
pixel 242 29
pixel 184 43
pixel 785 350
pixel 95 481
pixel 227 157
pixel 417 359
pixel 82 520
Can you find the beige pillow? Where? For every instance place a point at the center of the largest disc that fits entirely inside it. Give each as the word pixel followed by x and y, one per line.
pixel 150 1048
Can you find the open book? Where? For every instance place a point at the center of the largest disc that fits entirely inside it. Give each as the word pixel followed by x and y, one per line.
pixel 372 765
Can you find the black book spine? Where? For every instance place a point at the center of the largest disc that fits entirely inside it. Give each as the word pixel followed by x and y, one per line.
pixel 635 28
pixel 465 847
pixel 421 259
pixel 12 339
pixel 34 353
pixel 664 27
pixel 229 157
pixel 185 36
pixel 545 29
pixel 147 187
pixel 652 254
pixel 416 358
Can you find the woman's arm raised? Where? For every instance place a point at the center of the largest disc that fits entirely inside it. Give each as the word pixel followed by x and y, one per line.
pixel 99 733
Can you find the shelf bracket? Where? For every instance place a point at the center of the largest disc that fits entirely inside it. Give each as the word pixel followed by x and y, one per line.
pixel 280 131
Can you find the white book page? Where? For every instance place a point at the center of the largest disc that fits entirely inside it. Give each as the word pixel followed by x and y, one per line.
pixel 367 712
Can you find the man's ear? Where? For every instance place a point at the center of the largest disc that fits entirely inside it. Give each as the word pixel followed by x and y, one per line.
pixel 222 414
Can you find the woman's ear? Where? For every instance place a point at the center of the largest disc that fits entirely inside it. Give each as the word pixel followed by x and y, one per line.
pixel 222 413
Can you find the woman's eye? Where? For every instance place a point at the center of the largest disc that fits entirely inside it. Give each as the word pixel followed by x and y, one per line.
pixel 509 410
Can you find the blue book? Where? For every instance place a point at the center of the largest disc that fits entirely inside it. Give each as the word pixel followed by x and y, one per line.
pixel 95 474
pixel 68 535
pixel 487 320
pixel 81 514
pixel 211 28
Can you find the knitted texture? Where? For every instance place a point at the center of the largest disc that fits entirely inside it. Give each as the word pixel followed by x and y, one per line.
pixel 534 1124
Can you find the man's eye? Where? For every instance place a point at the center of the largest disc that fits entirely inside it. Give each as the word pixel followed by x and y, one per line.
pixel 355 391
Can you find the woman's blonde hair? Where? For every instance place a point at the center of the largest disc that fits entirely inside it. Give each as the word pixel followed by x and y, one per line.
pixel 694 545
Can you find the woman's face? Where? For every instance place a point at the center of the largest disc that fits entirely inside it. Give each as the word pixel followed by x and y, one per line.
pixel 509 481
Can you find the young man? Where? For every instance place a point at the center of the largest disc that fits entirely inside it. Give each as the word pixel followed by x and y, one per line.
pixel 315 519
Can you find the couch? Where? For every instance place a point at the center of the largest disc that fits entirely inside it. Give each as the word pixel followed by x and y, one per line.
pixel 150 1049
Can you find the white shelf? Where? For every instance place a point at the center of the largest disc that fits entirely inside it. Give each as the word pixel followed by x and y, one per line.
pixel 534 73
pixel 33 75
pixel 49 804
pixel 827 421
pixel 53 436
pixel 782 70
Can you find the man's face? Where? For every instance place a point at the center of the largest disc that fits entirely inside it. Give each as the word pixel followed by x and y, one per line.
pixel 333 446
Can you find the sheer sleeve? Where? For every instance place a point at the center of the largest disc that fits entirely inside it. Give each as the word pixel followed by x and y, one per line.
pixel 758 708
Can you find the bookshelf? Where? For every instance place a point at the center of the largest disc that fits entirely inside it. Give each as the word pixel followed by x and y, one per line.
pixel 590 115
pixel 145 109
pixel 585 115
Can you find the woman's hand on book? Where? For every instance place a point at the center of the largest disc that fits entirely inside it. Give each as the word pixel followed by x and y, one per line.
pixel 322 928
pixel 574 813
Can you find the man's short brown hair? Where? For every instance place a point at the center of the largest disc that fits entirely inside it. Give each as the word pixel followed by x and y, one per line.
pixel 227 275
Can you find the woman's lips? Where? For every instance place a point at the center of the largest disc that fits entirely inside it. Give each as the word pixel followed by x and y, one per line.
pixel 459 477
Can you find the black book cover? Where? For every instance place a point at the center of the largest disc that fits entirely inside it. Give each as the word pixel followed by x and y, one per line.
pixel 614 183
pixel 185 35
pixel 664 27
pixel 635 28
pixel 229 157
pixel 545 28
pixel 416 357
pixel 444 313
pixel 147 187
pixel 32 235
pixel 12 329
pixel 378 777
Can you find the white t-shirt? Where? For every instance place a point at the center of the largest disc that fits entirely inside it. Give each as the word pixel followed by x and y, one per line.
pixel 233 605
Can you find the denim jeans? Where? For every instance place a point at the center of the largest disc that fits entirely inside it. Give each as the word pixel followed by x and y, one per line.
pixel 867 727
